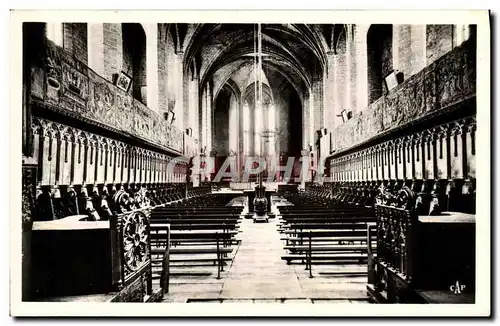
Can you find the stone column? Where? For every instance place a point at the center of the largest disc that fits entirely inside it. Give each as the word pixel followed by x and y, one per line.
pixel 152 65
pixel 305 121
pixel 329 90
pixel 396 40
pixel 95 46
pixel 341 88
pixel 311 113
pixel 203 127
pixel 113 50
pixel 361 68
pixel 178 87
pixel 418 48
pixel 193 107
pixel 350 51
pixel 209 117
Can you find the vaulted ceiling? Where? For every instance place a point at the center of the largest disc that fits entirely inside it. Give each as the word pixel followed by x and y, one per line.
pixel 293 53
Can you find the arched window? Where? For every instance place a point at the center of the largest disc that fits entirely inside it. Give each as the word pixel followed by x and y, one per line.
pixel 134 58
pixel 379 47
pixel 71 36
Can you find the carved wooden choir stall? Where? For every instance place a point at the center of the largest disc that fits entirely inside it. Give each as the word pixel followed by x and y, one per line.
pixel 96 161
pixel 411 156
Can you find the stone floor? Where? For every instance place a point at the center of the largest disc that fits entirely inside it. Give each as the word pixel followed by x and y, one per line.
pixel 257 274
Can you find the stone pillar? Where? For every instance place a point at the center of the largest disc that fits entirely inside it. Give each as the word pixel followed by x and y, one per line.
pixel 402 53
pixel 55 32
pixel 311 113
pixel 305 156
pixel 203 127
pixel 462 34
pixel 209 117
pixel 349 68
pixel 194 107
pixel 418 48
pixel 233 124
pixel 239 145
pixel 361 68
pixel 95 46
pixel 113 49
pixel 329 91
pixel 152 65
pixel 317 112
pixel 396 40
pixel 178 87
pixel 341 87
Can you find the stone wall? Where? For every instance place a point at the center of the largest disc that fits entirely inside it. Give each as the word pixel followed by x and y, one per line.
pixel 439 41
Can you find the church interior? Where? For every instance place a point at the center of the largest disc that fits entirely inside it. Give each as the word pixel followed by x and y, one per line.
pixel 314 163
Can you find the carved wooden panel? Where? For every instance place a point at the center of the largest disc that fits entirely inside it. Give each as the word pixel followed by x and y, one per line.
pixel 69 156
pixel 78 158
pixel 392 160
pixel 456 151
pixel 100 164
pixel 400 159
pixel 443 152
pixel 429 155
pixel 470 146
pixel 408 158
pixel 74 88
pixel 447 81
pixel 385 161
pixel 418 154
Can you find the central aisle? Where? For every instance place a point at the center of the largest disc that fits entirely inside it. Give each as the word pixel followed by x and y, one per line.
pixel 258 274
pixel 258 271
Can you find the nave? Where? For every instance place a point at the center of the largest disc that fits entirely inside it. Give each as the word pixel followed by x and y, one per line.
pixel 149 150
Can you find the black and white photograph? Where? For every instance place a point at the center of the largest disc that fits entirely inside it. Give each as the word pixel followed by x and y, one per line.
pixel 300 164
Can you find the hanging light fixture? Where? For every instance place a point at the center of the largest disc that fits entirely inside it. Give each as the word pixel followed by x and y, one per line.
pixel 259 102
pixel 260 201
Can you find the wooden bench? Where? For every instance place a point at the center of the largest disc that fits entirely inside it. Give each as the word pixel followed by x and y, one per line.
pixel 319 235
pixel 304 250
pixel 202 230
pixel 195 216
pixel 220 250
pixel 326 219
